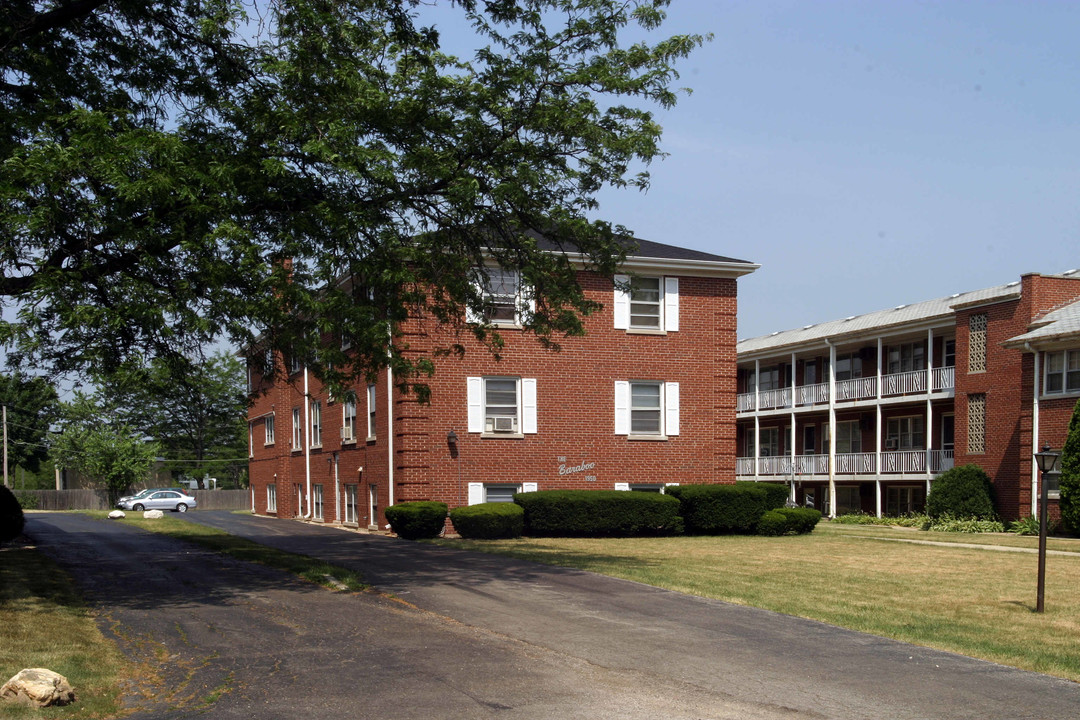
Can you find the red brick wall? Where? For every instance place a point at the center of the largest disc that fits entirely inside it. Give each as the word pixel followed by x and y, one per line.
pixel 575 396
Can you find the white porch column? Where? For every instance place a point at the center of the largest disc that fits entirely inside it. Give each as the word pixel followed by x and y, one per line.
pixel 791 451
pixel 877 432
pixel 877 495
pixel 929 430
pixel 832 429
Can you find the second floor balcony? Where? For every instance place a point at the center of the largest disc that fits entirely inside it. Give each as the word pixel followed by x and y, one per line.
pixel 914 382
pixel 865 464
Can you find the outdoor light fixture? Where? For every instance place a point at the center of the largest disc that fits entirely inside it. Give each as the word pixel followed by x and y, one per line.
pixel 451 442
pixel 451 438
pixel 1047 460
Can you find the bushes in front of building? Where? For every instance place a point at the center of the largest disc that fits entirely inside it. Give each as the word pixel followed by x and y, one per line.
pixel 417 520
pixel 599 513
pixel 962 492
pixel 489 521
pixel 12 520
pixel 788 521
pixel 1069 502
pixel 720 509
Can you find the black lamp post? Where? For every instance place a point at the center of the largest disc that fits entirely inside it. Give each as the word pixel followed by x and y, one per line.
pixel 1047 460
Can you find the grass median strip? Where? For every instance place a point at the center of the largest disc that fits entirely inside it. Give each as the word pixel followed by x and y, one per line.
pixel 308 568
pixel 977 602
pixel 44 623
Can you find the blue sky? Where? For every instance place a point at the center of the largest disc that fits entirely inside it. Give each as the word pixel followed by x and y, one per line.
pixel 868 154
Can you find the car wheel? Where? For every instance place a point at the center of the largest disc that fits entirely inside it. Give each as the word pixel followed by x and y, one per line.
pixel 137 507
pixel 181 508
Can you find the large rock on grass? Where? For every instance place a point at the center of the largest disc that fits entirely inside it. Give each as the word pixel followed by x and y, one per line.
pixel 38 687
pixel 153 514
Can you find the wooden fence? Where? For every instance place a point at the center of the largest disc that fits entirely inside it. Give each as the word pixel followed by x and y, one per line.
pixel 99 499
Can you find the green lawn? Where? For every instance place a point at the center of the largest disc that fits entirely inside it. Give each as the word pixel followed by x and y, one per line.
pixel 977 602
pixel 43 623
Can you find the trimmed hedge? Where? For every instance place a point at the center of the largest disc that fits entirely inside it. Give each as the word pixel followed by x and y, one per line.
pixel 417 520
pixel 599 513
pixel 12 520
pixel 772 523
pixel 488 521
pixel 800 520
pixel 717 509
pixel 962 492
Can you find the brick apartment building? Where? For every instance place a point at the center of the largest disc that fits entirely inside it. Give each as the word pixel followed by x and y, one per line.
pixel 645 398
pixel 861 414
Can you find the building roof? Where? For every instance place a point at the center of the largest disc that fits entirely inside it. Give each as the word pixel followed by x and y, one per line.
pixel 921 312
pixel 1061 324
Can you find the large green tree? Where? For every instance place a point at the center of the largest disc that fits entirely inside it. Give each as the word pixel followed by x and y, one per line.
pixel 109 453
pixel 31 406
pixel 295 170
pixel 1070 474
pixel 197 416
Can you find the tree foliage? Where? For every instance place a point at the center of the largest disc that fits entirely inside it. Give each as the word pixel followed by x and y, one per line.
pixel 285 172
pixel 1070 475
pixel 32 406
pixel 111 454
pixel 197 414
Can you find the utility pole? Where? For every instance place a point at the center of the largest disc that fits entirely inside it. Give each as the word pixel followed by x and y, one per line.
pixel 6 484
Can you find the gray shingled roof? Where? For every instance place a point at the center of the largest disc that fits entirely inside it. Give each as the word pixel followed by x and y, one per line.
pixel 647 249
pixel 858 324
pixel 1059 324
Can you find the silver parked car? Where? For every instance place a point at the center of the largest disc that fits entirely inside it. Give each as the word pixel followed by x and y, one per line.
pixel 160 500
pixel 144 494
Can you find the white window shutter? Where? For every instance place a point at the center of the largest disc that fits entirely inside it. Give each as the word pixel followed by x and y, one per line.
pixel 622 303
pixel 528 405
pixel 470 314
pixel 476 493
pixel 622 486
pixel 671 408
pixel 526 302
pixel 528 487
pixel 622 407
pixel 476 404
pixel 671 304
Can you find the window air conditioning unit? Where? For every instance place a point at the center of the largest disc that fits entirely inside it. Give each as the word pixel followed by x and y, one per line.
pixel 504 424
pixel 890 444
pixel 346 434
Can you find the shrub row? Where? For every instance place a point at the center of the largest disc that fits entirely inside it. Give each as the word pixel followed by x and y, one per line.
pixel 489 521
pixel 599 513
pixel 417 520
pixel 718 509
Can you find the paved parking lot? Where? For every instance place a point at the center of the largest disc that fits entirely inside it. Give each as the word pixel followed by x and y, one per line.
pixel 474 636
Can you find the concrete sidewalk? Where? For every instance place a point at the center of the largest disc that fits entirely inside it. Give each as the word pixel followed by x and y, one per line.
pixel 749 655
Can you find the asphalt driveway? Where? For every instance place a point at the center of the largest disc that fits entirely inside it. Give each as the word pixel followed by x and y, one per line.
pixel 474 636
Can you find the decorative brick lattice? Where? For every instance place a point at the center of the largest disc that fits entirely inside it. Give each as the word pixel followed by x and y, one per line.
pixel 977 343
pixel 977 424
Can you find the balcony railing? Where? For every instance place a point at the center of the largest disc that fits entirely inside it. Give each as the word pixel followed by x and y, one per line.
pixel 905 383
pixel 893 462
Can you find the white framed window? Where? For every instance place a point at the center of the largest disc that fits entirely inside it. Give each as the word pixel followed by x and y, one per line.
pixel 646 303
pixel 906 358
pixel 1061 372
pixel 904 500
pixel 646 408
pixel 268 428
pixel 905 433
pixel 950 354
pixel 847 499
pixel 770 378
pixel 316 423
pixel 497 492
pixel 271 498
pixel 316 502
pixel 251 439
pixel 348 418
pixel 351 494
pixel 297 429
pixel 371 412
pixel 502 405
pixel 295 365
pixel 505 297
pixel 848 366
pixel 848 437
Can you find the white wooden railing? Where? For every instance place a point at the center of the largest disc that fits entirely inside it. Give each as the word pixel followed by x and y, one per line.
pixel 854 463
pixel 812 394
pixel 772 399
pixel 903 461
pixel 856 389
pixel 940 460
pixel 744 466
pixel 779 465
pixel 744 402
pixel 811 464
pixel 904 383
pixel 944 378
